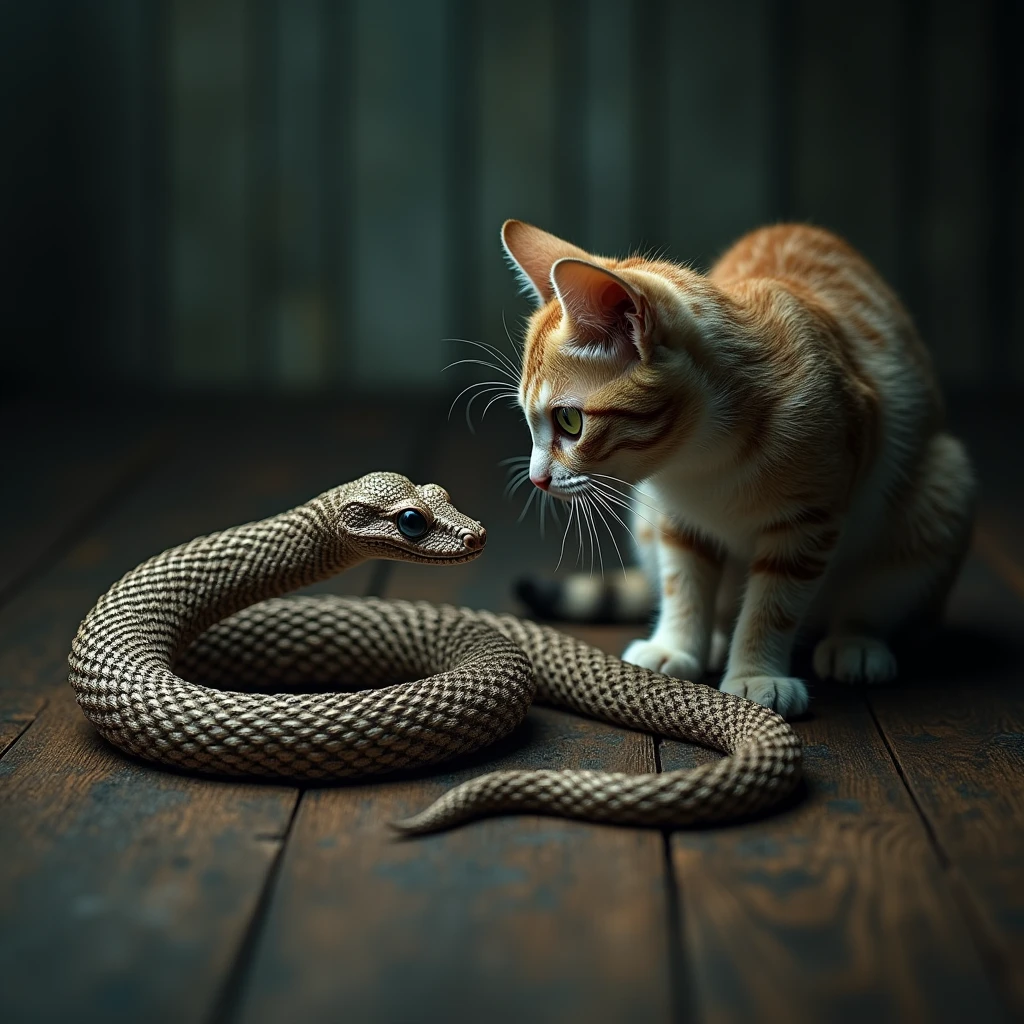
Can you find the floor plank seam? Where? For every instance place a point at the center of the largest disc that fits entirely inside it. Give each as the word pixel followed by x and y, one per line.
pixel 132 476
pixel 4 751
pixel 227 1005
pixel 988 950
pixel 680 1011
pixel 933 837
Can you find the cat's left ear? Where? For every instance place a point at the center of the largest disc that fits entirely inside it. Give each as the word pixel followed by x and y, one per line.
pixel 610 318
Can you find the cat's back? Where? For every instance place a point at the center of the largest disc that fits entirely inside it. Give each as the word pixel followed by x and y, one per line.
pixel 802 254
pixel 822 270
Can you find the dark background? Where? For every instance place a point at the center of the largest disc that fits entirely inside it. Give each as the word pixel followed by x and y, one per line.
pixel 255 195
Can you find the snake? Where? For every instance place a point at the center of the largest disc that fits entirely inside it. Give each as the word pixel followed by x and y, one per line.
pixel 203 659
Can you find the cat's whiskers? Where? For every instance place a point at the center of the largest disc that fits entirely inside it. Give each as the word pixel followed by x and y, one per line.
pixel 516 480
pixel 516 350
pixel 595 540
pixel 634 492
pixel 498 398
pixel 610 509
pixel 526 507
pixel 482 362
pixel 479 384
pixel 568 524
pixel 615 543
pixel 514 366
pixel 485 387
pixel 616 498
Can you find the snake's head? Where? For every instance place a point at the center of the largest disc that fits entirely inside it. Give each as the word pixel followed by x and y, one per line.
pixel 391 517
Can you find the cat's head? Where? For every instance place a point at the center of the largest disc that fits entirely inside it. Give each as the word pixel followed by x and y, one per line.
pixel 611 380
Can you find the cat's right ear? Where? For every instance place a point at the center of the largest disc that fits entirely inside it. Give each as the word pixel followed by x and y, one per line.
pixel 533 253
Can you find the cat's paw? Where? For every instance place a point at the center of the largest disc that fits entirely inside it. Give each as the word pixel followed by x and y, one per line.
pixel 854 659
pixel 659 658
pixel 786 696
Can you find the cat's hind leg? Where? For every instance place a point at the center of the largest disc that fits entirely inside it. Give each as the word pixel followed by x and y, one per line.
pixel 907 573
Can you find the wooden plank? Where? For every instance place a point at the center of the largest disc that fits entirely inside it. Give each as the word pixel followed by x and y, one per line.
pixel 60 471
pixel 127 891
pixel 504 919
pixel 956 729
pixel 843 905
pixel 835 909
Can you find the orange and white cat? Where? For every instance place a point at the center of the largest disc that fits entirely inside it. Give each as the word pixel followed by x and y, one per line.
pixel 782 416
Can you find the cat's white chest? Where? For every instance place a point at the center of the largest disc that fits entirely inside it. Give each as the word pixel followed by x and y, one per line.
pixel 706 505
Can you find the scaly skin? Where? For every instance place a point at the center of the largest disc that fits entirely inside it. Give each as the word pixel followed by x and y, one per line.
pixel 193 659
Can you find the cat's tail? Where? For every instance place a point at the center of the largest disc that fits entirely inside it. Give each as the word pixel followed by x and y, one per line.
pixel 618 598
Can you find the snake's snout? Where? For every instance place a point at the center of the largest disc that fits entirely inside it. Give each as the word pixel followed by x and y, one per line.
pixel 474 540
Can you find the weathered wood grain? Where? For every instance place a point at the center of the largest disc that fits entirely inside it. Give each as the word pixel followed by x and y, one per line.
pixel 127 891
pixel 956 730
pixel 956 725
pixel 60 470
pixel 833 910
pixel 503 920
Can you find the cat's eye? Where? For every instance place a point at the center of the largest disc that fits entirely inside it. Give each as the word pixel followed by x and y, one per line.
pixel 569 420
pixel 412 523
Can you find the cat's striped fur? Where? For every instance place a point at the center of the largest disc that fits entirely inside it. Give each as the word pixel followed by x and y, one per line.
pixel 782 416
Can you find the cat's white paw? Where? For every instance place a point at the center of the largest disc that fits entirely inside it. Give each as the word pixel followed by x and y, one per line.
pixel 719 650
pixel 659 658
pixel 786 696
pixel 854 659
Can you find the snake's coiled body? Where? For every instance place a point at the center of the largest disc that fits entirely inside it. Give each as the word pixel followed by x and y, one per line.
pixel 169 663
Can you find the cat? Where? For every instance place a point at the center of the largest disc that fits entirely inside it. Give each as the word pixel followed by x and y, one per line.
pixel 779 426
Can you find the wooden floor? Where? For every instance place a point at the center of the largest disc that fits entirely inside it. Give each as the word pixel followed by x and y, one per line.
pixel 893 890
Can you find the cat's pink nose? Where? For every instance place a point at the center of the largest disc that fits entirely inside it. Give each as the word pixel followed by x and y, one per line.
pixel 543 482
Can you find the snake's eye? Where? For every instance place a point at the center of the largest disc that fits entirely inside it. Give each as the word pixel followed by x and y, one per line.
pixel 569 420
pixel 412 523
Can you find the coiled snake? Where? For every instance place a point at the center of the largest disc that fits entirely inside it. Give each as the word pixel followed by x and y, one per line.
pixel 169 663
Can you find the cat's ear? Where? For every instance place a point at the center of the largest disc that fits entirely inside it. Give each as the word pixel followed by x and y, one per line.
pixel 609 317
pixel 532 253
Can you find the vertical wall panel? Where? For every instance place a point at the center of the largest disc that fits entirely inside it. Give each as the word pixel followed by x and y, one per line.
pixel 399 238
pixel 209 243
pixel 611 141
pixel 518 144
pixel 956 243
pixel 300 313
pixel 719 126
pixel 848 118
pixel 307 193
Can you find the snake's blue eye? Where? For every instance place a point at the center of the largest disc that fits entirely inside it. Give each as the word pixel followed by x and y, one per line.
pixel 412 524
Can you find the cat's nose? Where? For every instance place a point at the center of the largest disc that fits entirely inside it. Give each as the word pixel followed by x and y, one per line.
pixel 543 482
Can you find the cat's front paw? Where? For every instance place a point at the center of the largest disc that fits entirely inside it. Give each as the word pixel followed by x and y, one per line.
pixel 786 696
pixel 854 659
pixel 659 658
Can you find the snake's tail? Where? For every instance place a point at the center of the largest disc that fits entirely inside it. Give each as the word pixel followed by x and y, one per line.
pixel 674 799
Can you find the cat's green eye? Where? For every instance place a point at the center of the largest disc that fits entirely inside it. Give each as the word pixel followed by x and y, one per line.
pixel 569 420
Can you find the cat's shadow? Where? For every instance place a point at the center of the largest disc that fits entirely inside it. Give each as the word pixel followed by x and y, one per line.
pixel 944 658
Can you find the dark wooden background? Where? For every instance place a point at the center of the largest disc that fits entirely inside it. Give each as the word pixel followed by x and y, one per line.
pixel 306 194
